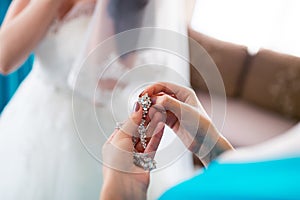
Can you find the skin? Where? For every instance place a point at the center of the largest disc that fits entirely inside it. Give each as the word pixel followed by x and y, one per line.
pixel 134 178
pixel 32 18
pixel 184 112
pixel 174 106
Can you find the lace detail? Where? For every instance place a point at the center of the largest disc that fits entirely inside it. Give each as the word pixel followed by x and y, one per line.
pixel 81 9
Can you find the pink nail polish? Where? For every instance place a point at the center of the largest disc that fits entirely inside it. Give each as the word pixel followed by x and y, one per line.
pixel 136 107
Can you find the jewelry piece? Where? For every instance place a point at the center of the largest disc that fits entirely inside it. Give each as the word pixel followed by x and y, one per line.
pixel 143 160
pixel 142 133
pixel 145 102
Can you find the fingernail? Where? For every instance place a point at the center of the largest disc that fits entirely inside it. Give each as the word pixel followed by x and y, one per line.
pixel 136 107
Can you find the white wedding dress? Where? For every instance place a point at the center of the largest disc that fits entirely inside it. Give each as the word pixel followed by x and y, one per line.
pixel 42 157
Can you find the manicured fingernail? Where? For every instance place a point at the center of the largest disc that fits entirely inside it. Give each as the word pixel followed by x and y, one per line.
pixel 136 106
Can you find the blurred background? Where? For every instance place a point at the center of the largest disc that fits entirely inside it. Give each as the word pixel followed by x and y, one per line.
pixel 256 24
pixel 255 45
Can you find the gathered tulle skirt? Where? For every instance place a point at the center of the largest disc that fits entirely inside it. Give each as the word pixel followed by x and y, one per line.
pixel 41 154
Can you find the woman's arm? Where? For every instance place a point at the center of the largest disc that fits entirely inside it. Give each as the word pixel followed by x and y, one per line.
pixel 24 26
pixel 176 106
pixel 188 119
pixel 122 178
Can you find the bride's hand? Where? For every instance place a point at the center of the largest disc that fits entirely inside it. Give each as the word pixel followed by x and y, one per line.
pixel 122 179
pixel 188 119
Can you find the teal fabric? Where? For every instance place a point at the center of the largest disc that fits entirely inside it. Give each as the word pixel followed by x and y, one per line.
pixel 9 84
pixel 3 7
pixel 276 179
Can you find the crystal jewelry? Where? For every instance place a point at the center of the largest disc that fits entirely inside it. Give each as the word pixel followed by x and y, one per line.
pixel 145 102
pixel 143 160
pixel 142 133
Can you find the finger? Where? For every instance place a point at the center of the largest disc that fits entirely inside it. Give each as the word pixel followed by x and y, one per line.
pixel 172 121
pixel 129 128
pixel 179 92
pixel 155 118
pixel 157 88
pixel 187 116
pixel 166 103
pixel 155 139
pixel 110 138
pixel 168 117
pixel 188 123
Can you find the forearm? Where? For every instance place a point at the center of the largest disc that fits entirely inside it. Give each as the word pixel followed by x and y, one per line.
pixel 213 143
pixel 110 192
pixel 123 186
pixel 20 35
pixel 220 147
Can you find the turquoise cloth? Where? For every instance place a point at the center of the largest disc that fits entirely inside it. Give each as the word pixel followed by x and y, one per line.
pixel 10 83
pixel 276 179
pixel 4 4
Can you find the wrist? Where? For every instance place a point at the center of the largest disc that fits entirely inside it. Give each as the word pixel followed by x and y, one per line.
pixel 221 146
pixel 213 144
pixel 121 185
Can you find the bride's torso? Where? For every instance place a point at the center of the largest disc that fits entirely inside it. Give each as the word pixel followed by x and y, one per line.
pixel 58 50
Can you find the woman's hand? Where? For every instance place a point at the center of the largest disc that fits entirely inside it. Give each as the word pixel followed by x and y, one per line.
pixel 188 119
pixel 122 179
